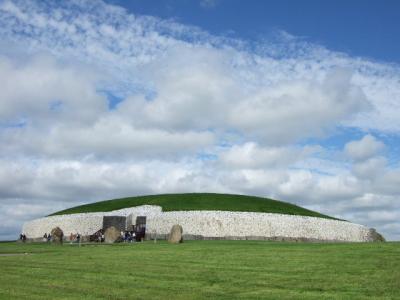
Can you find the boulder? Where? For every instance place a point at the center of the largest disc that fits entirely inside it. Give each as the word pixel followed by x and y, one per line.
pixel 118 222
pixel 175 236
pixel 112 235
pixel 374 236
pixel 57 235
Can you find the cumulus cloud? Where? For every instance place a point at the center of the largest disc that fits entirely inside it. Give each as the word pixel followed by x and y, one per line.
pixel 206 93
pixel 251 156
pixel 363 149
pixel 97 103
pixel 370 168
pixel 33 88
pixel 294 110
pixel 106 139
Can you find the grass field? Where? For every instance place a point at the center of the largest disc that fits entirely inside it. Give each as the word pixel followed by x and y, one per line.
pixel 198 201
pixel 201 269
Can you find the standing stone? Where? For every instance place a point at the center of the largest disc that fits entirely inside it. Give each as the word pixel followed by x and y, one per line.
pixel 119 222
pixel 57 235
pixel 112 235
pixel 374 236
pixel 175 236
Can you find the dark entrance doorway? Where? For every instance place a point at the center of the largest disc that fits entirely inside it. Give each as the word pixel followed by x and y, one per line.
pixel 140 228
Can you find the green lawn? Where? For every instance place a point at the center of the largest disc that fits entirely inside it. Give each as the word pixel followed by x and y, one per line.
pixel 201 269
pixel 198 201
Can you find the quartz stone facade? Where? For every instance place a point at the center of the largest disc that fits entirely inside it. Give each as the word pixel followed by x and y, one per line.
pixel 210 225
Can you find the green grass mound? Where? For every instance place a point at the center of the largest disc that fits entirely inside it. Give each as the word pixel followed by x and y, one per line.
pixel 198 201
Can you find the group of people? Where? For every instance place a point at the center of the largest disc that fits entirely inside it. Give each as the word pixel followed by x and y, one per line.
pixel 99 236
pixel 47 237
pixel 128 236
pixel 75 238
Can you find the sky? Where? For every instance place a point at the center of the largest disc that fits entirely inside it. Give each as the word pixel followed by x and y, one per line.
pixel 297 101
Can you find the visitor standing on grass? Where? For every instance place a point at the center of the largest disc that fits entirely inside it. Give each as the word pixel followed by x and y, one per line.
pixel 127 236
pixel 71 238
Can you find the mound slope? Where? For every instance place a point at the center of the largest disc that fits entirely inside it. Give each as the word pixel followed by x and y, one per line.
pixel 197 201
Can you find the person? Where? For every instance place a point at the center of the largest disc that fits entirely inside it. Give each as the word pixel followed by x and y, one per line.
pixel 78 238
pixel 49 238
pixel 23 237
pixel 61 238
pixel 133 236
pixel 45 237
pixel 126 236
pixel 130 236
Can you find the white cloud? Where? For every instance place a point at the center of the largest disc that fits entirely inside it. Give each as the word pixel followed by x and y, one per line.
pixel 106 139
pixel 200 88
pixel 363 149
pixel 251 155
pixel 299 109
pixel 370 168
pixel 38 89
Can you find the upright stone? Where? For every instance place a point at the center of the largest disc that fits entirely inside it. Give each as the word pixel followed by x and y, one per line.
pixel 129 222
pixel 57 235
pixel 175 236
pixel 112 235
pixel 119 222
pixel 374 236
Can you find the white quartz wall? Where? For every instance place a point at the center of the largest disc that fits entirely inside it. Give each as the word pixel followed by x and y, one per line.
pixel 84 223
pixel 250 224
pixel 211 224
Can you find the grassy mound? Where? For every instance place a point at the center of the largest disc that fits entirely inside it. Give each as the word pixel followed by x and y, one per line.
pixel 198 201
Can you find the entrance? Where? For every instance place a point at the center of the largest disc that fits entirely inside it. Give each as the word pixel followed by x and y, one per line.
pixel 140 228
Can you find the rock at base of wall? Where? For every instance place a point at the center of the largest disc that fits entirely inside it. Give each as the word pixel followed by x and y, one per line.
pixel 119 222
pixel 57 235
pixel 375 236
pixel 175 236
pixel 112 235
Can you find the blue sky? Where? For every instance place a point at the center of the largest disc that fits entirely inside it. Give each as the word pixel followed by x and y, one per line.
pixel 361 28
pixel 297 101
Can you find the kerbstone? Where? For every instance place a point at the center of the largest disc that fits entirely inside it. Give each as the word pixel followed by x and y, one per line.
pixel 57 235
pixel 175 236
pixel 112 235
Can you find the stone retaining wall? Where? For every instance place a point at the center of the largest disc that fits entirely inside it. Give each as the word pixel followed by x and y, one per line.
pixel 251 225
pixel 211 225
pixel 84 223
